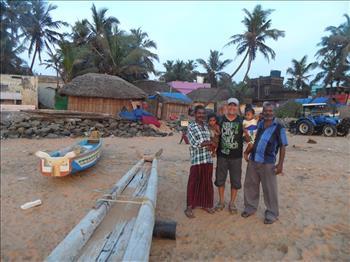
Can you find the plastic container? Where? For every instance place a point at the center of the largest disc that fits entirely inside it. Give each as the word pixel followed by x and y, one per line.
pixel 31 204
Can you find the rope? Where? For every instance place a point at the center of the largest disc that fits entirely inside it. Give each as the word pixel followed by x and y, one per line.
pixel 137 200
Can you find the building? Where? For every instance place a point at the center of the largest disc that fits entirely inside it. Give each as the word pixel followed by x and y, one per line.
pixel 23 89
pixel 101 93
pixel 187 87
pixel 209 97
pixel 169 106
pixel 152 87
pixel 270 88
pixel 10 98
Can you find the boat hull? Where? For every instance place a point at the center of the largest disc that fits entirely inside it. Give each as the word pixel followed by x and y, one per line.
pixel 66 166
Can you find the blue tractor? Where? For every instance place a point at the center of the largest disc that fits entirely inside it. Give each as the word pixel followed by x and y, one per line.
pixel 318 119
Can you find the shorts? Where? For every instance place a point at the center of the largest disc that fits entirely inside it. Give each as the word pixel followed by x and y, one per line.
pixel 231 165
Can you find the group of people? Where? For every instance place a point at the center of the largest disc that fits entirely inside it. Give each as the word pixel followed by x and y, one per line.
pixel 223 138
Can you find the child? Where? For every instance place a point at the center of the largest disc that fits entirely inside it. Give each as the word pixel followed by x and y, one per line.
pixel 214 129
pixel 250 125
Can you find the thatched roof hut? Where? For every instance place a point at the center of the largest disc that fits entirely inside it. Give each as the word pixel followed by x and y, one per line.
pixel 209 95
pixel 101 85
pixel 152 87
pixel 101 93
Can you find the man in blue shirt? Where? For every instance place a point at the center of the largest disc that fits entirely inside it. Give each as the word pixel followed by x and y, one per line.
pixel 270 138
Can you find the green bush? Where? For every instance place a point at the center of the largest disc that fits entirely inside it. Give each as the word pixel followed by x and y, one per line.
pixel 289 109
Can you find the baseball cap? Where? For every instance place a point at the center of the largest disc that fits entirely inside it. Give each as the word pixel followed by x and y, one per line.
pixel 233 100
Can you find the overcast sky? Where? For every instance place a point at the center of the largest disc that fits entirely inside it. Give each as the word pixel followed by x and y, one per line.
pixel 188 30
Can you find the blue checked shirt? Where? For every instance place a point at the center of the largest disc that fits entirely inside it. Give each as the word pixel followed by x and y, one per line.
pixel 267 142
pixel 197 134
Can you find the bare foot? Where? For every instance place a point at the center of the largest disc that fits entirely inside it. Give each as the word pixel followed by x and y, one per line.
pixel 189 213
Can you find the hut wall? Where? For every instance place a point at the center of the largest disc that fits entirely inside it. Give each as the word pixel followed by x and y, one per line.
pixel 174 109
pixel 98 105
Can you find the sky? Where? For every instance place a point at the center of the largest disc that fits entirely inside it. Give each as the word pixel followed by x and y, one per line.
pixel 189 30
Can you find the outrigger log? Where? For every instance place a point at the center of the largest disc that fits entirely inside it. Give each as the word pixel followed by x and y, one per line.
pixel 120 226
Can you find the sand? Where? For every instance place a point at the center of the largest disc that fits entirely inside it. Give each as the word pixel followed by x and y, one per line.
pixel 314 221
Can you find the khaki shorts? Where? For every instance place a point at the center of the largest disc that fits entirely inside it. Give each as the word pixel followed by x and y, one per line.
pixel 228 165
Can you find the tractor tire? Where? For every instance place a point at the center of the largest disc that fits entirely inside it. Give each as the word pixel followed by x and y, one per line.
pixel 305 127
pixel 344 127
pixel 342 133
pixel 329 131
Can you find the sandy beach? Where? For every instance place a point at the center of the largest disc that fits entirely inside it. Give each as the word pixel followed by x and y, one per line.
pixel 314 196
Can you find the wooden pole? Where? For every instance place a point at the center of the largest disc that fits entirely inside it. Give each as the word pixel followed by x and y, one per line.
pixel 71 245
pixel 141 238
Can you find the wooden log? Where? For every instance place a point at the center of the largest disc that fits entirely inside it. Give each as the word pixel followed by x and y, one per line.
pixel 71 245
pixel 48 113
pixel 165 229
pixel 141 238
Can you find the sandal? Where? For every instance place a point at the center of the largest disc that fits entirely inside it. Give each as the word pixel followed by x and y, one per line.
pixel 189 213
pixel 219 206
pixel 210 210
pixel 232 208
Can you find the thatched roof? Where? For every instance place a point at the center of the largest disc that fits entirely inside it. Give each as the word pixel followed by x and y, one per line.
pixel 152 87
pixel 209 95
pixel 101 85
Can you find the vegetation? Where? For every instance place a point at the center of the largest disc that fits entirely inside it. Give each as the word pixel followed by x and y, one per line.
pixel 300 73
pixel 289 109
pixel 258 31
pixel 98 44
pixel 334 55
pixel 213 67
pixel 179 70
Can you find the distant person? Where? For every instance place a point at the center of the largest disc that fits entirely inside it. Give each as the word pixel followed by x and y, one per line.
pixel 214 129
pixel 229 154
pixel 200 192
pixel 270 138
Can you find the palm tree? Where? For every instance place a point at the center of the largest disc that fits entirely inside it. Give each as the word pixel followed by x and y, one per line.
pixel 81 32
pixel 258 31
pixel 299 72
pixel 39 29
pixel 179 71
pixel 214 67
pixel 11 16
pixel 338 42
pixel 334 54
pixel 102 25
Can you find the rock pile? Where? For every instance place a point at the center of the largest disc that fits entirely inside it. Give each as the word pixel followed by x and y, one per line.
pixel 28 127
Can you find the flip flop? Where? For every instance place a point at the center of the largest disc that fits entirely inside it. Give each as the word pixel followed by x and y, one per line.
pixel 219 207
pixel 210 210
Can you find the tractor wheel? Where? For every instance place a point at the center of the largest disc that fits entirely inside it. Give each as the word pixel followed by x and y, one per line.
pixel 342 132
pixel 305 127
pixel 329 131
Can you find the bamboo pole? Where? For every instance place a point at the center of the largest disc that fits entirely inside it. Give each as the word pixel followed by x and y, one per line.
pixel 71 245
pixel 141 238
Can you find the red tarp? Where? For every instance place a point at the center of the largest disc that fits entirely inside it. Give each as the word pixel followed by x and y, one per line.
pixel 150 120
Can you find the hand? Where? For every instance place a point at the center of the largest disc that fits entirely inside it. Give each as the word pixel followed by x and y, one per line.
pixel 207 144
pixel 246 156
pixel 279 169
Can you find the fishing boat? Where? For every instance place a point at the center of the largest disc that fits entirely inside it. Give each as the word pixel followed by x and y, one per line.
pixel 120 226
pixel 72 159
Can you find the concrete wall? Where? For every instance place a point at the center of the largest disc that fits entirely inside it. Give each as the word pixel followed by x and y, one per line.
pixel 27 86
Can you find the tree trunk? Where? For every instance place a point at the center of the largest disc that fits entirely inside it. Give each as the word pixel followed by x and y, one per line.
pixel 240 65
pixel 249 64
pixel 31 66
